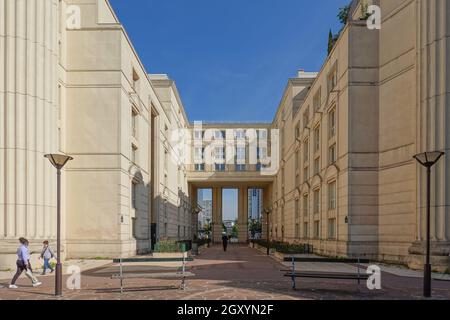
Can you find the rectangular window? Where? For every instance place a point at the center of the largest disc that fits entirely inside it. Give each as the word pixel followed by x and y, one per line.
pixel 134 119
pixel 305 230
pixel 305 205
pixel 332 196
pixel 331 228
pixel 240 167
pixel 219 135
pixel 297 230
pixel 317 166
pixel 332 154
pixel 297 131
pixel 199 167
pixel 134 190
pixel 316 199
pixel 134 153
pixel 220 167
pixel 332 78
pixel 317 100
pixel 198 134
pixel 240 154
pixel 306 174
pixel 317 139
pixel 239 134
pixel 262 134
pixel 306 118
pixel 316 229
pixel 306 151
pixel 332 123
pixel 219 154
pixel 198 154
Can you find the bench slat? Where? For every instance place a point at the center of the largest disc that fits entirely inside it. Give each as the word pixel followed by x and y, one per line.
pixel 326 260
pixel 153 275
pixel 137 260
pixel 349 276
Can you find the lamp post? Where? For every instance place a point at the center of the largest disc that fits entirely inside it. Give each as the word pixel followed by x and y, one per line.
pixel 58 161
pixel 267 211
pixel 428 160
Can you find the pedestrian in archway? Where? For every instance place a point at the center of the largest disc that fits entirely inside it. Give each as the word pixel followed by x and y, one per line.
pixel 225 241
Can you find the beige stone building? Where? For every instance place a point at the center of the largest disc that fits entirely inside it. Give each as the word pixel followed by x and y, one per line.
pixel 340 173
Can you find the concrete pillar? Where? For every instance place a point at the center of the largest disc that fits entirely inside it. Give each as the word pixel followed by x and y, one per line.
pixel 243 214
pixel 217 214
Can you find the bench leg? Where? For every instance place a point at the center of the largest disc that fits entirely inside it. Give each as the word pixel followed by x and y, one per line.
pixel 183 284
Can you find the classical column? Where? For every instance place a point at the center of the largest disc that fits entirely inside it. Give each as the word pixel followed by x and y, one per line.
pixel 243 215
pixel 28 113
pixel 434 118
pixel 217 214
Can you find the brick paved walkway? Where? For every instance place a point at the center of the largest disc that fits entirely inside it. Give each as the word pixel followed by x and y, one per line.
pixel 240 273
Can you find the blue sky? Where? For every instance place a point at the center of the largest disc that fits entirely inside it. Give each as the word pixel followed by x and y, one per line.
pixel 230 59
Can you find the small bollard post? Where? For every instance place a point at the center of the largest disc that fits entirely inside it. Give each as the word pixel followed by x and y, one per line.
pixel 293 273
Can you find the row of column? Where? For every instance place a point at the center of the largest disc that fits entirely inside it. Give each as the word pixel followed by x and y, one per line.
pixel 28 117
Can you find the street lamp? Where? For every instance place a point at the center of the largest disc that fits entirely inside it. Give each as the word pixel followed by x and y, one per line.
pixel 428 160
pixel 58 161
pixel 267 212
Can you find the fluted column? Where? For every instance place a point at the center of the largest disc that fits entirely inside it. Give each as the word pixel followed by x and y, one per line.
pixel 28 86
pixel 434 115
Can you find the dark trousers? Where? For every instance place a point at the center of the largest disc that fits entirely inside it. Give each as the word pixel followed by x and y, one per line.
pixel 21 267
pixel 225 245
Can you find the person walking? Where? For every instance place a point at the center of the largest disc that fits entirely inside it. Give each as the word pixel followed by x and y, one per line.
pixel 225 241
pixel 47 254
pixel 23 264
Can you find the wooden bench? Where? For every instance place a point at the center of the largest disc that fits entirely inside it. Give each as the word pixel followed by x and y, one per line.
pixel 293 273
pixel 181 273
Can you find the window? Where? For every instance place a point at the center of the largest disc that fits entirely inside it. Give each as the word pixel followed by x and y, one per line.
pixel 297 209
pixel 332 228
pixel 332 78
pixel 306 151
pixel 134 153
pixel 220 167
pixel 297 131
pixel 305 205
pixel 198 134
pixel 305 230
pixel 297 231
pixel 198 154
pixel 240 154
pixel 262 153
pixel 332 123
pixel 306 118
pixel 305 174
pixel 134 190
pixel 199 167
pixel 219 135
pixel 332 154
pixel 240 167
pixel 317 100
pixel 166 230
pixel 262 134
pixel 332 196
pixel 317 166
pixel 316 201
pixel 178 233
pixel 316 229
pixel 220 153
pixel 134 119
pixel 317 139
pixel 239 134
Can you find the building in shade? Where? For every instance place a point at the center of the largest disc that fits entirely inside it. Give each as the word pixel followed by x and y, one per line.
pixel 255 204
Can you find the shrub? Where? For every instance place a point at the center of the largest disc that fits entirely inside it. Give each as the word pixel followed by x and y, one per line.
pixel 167 246
pixel 286 248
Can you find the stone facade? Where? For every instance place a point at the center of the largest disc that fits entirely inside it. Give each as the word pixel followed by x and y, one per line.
pixel 346 183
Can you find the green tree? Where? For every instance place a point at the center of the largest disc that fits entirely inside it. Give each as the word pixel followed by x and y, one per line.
pixel 330 42
pixel 344 14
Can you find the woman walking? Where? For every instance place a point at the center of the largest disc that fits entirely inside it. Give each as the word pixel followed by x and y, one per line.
pixel 23 264
pixel 47 254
